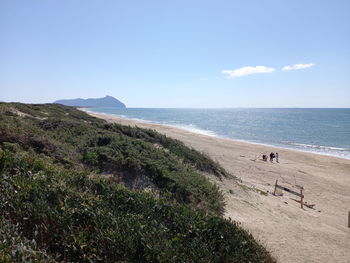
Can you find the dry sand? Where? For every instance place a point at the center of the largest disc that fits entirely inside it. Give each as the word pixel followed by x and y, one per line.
pixel 291 234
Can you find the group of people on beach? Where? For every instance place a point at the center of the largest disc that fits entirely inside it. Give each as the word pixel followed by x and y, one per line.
pixel 272 156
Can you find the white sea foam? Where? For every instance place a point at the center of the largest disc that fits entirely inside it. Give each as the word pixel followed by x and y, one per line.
pixel 189 127
pixel 121 116
pixel 194 129
pixel 321 147
pixel 323 150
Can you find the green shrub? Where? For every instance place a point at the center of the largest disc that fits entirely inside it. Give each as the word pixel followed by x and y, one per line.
pixel 75 218
pixel 53 206
pixel 14 247
pixel 91 158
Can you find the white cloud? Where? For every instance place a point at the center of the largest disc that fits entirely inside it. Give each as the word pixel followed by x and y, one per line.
pixel 246 71
pixel 297 66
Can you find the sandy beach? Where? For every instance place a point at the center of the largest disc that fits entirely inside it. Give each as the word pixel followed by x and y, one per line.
pixel 292 234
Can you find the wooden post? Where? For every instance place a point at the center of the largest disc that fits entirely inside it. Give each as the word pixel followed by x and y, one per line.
pixel 274 192
pixel 301 197
pixel 349 220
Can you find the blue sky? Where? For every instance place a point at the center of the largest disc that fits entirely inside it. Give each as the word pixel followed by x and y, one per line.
pixel 177 53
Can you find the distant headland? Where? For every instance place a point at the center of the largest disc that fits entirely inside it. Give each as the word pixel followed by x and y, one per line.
pixel 107 101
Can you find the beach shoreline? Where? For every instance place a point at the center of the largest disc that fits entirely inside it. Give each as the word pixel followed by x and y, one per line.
pixel 291 233
pixel 200 131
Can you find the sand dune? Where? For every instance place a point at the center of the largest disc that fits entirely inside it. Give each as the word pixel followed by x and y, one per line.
pixel 292 234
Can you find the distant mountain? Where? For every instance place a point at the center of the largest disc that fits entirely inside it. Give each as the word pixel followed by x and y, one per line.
pixel 107 101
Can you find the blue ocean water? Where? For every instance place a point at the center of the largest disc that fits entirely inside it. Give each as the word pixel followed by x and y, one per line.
pixel 322 131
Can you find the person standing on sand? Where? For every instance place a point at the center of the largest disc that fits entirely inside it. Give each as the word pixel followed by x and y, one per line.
pixel 264 157
pixel 277 157
pixel 272 155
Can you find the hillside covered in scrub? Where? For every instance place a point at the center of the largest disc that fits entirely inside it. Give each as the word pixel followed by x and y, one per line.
pixel 74 188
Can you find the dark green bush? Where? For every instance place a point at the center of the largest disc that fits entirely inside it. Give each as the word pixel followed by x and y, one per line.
pixel 14 247
pixel 75 218
pixel 72 137
pixel 53 206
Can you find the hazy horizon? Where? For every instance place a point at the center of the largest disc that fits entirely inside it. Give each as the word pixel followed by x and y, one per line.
pixel 135 107
pixel 183 54
pixel 228 107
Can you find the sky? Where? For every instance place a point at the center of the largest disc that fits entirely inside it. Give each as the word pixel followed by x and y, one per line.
pixel 183 53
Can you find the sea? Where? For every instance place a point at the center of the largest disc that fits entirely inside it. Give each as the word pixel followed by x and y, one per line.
pixel 320 131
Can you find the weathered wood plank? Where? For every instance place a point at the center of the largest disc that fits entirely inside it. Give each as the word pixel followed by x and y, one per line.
pixel 289 190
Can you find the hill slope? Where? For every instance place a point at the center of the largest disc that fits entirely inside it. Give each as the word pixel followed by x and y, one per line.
pixel 62 196
pixel 107 101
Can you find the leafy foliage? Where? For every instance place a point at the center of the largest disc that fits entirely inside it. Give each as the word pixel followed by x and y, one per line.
pixel 47 210
pixel 14 247
pixel 54 206
pixel 131 154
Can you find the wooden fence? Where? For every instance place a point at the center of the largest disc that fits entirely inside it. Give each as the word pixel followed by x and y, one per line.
pixel 301 195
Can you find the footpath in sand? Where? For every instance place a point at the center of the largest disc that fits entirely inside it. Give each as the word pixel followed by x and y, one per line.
pixel 290 233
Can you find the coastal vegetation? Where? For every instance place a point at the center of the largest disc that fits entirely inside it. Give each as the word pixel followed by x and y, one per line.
pixel 74 188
